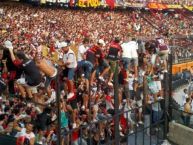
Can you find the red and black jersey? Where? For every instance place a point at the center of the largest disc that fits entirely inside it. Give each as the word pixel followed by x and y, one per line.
pixel 91 54
pixel 114 50
pixel 100 55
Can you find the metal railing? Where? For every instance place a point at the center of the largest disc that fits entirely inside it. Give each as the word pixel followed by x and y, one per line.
pixel 149 133
pixel 181 117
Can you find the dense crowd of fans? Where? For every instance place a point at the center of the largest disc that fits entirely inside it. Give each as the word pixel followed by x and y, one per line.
pixel 181 55
pixel 84 49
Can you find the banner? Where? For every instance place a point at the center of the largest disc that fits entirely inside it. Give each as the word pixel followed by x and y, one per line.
pixel 174 6
pixel 110 3
pixel 190 8
pixel 158 6
pixel 88 3
pixel 135 5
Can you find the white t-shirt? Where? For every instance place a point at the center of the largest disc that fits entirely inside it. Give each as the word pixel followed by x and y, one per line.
pixel 30 135
pixel 130 49
pixel 126 50
pixel 23 133
pixel 70 57
pixel 81 50
pixel 153 59
pixel 133 46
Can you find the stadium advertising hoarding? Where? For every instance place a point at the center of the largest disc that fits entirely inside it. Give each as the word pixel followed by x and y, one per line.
pixel 89 3
pixel 116 3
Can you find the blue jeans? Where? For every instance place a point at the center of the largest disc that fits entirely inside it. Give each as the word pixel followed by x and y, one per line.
pixel 125 62
pixel 87 68
pixel 186 120
pixel 103 65
pixel 69 73
pixel 157 115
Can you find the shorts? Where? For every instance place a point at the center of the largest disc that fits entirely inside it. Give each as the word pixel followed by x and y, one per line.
pixel 23 82
pixel 132 94
pixel 112 66
pixel 69 73
pixel 134 61
pixel 163 54
pixel 49 79
pixel 65 131
pixel 126 94
pixel 88 67
pixel 103 65
pixel 73 104
pixel 126 62
pixel 33 90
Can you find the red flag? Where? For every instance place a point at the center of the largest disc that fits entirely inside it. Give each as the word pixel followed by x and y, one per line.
pixel 111 3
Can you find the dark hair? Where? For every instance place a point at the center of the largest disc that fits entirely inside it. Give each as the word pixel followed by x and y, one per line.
pixel 133 39
pixel 185 90
pixel 47 110
pixel 10 118
pixel 86 40
pixel 21 55
pixel 187 100
pixel 2 47
pixel 117 40
pixel 2 117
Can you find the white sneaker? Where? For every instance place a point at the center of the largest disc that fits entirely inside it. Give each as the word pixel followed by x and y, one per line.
pixel 74 125
pixel 131 131
pixel 101 78
pixel 120 128
pixel 83 107
pixel 160 98
pixel 110 84
pixel 121 134
pixel 94 120
pixel 70 95
pixel 52 98
pixel 140 122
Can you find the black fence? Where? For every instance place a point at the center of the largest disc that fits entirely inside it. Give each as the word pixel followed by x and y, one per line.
pixel 149 133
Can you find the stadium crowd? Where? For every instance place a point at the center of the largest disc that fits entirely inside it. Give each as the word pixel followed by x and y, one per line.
pixel 84 49
pixel 181 55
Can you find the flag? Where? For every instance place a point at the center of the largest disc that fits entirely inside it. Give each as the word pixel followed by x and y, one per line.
pixel 111 3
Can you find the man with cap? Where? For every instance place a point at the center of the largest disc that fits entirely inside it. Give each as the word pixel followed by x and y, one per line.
pixel 12 71
pixel 32 76
pixel 114 52
pixel 69 64
pixel 102 64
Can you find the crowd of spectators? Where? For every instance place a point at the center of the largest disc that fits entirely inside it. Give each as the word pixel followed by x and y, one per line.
pixel 181 55
pixel 83 48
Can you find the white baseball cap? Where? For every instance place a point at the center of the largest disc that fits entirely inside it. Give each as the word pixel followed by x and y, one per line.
pixel 62 44
pixel 101 42
pixel 8 44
